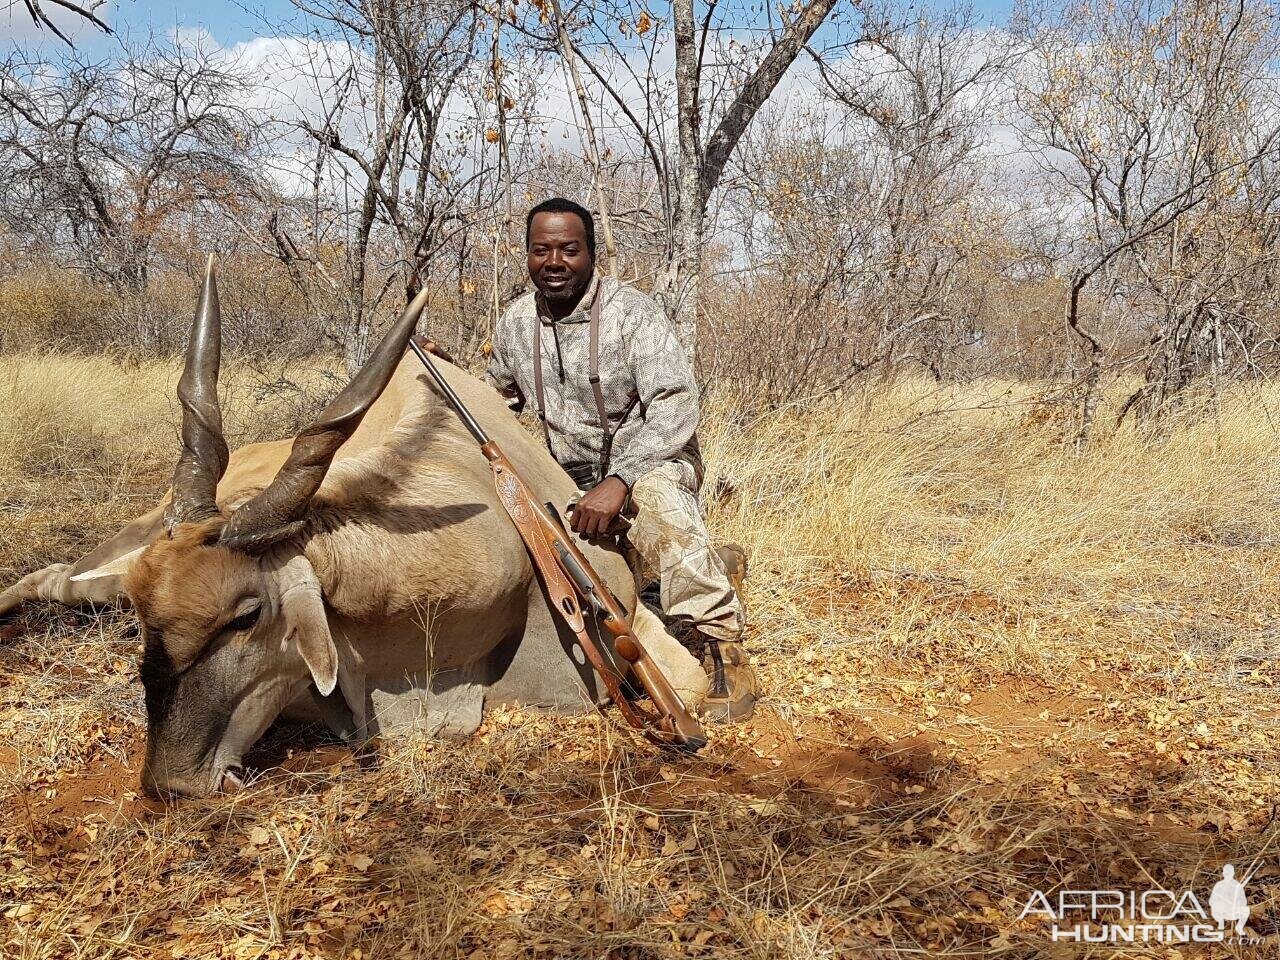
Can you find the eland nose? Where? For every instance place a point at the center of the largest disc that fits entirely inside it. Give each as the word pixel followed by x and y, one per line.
pixel 161 783
pixel 156 788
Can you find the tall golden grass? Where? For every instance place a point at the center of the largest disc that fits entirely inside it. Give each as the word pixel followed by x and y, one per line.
pixel 992 666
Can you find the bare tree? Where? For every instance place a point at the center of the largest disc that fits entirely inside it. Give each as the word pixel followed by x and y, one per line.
pixel 381 79
pixel 688 126
pixel 39 11
pixel 610 49
pixel 921 100
pixel 590 142
pixel 1154 116
pixel 386 145
pixel 708 141
pixel 97 158
pixel 859 227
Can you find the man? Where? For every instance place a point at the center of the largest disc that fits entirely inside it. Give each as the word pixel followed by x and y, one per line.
pixel 621 417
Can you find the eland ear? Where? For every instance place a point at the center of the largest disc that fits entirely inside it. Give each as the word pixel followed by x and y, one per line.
pixel 302 603
pixel 113 568
pixel 316 645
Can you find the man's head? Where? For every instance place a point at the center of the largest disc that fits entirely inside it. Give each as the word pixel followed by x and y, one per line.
pixel 561 242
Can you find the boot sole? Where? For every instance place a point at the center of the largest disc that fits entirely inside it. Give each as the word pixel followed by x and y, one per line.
pixel 728 711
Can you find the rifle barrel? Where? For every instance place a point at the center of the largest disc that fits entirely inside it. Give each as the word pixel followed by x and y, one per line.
pixel 468 420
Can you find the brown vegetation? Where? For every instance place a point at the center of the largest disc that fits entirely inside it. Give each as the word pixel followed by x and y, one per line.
pixel 998 659
pixel 992 665
pixel 1088 196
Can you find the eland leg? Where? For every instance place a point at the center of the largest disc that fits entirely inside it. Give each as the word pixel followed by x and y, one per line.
pixel 101 571
pixel 681 667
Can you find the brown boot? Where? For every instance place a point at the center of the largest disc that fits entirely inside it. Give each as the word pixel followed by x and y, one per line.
pixel 734 686
pixel 732 696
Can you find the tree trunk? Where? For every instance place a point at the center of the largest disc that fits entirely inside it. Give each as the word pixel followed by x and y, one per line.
pixel 356 338
pixel 701 168
pixel 1093 373
pixel 589 140
pixel 680 281
pixel 685 280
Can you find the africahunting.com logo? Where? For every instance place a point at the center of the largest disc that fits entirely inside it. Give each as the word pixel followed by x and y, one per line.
pixel 1147 916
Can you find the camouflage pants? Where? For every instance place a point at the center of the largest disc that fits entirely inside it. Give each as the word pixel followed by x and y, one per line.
pixel 668 533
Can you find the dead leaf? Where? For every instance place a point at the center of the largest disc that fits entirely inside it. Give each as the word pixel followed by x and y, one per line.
pixel 495 905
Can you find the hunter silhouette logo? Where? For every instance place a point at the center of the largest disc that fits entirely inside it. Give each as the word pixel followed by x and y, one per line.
pixel 1228 903
pixel 1147 916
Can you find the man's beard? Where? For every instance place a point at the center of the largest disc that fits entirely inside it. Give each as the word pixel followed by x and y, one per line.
pixel 570 293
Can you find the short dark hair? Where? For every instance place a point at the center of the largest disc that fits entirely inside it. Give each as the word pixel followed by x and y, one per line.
pixel 561 205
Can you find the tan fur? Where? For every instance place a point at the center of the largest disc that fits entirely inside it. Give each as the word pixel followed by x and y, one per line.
pixel 426 585
pixel 421 524
pixel 184 590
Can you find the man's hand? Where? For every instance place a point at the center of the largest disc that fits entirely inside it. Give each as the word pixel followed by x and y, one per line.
pixel 599 507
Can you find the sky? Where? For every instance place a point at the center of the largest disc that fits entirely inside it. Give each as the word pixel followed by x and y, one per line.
pixel 267 38
pixel 228 21
pixel 233 21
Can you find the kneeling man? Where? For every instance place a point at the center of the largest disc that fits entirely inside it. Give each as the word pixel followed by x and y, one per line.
pixel 618 406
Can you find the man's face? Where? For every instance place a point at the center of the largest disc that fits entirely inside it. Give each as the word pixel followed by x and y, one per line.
pixel 560 262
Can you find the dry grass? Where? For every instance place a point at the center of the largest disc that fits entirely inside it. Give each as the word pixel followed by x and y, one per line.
pixel 992 667
pixel 46 305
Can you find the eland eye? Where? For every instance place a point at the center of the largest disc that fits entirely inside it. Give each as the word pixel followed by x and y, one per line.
pixel 245 621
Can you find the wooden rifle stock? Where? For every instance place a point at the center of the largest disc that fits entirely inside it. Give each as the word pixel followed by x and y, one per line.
pixel 613 617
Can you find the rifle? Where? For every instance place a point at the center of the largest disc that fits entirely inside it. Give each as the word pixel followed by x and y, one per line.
pixel 571 581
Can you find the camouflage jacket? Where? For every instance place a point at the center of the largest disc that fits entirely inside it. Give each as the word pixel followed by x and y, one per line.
pixel 639 357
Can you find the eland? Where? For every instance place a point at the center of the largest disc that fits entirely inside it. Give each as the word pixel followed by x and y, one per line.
pixel 363 574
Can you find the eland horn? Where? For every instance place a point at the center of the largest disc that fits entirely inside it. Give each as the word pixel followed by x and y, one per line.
pixel 279 510
pixel 204 451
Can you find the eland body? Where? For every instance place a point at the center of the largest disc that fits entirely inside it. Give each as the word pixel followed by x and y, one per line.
pixel 364 573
